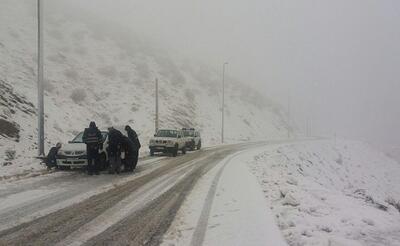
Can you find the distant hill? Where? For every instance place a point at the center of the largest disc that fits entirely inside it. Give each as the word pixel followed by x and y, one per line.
pixel 102 74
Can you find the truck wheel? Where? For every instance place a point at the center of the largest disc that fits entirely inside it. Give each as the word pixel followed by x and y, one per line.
pixel 192 145
pixel 184 150
pixel 199 146
pixel 175 151
pixel 151 152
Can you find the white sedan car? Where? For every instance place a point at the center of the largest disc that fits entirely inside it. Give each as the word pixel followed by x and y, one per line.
pixel 73 154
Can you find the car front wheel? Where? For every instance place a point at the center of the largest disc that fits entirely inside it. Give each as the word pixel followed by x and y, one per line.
pixel 199 146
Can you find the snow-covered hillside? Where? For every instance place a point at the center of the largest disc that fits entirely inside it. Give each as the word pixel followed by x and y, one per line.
pixel 327 193
pixel 96 73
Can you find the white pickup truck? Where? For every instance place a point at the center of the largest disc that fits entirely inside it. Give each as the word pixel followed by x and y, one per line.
pixel 168 141
pixel 193 138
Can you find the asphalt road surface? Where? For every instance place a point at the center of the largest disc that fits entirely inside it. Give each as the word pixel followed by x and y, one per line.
pixel 70 208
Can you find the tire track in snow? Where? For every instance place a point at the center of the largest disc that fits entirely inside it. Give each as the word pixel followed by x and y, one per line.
pixel 55 227
pixel 38 206
pixel 129 205
pixel 148 225
pixel 201 227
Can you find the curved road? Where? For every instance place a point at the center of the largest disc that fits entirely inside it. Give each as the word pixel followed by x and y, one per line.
pixel 74 209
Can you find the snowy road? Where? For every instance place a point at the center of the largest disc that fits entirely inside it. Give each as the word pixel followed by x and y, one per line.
pixel 227 207
pixel 133 209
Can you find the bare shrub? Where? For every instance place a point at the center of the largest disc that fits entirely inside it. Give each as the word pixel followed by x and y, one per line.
pixel 71 74
pixel 246 122
pixel 107 71
pixel 79 35
pixel 48 86
pixel 9 129
pixel 143 70
pixel 9 157
pixel 10 154
pixel 394 203
pixel 135 107
pixel 125 76
pixel 189 94
pixel 57 58
pixel 78 95
pixel 81 50
pixel 55 34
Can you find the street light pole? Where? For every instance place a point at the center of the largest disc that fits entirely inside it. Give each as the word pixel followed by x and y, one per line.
pixel 156 118
pixel 223 101
pixel 288 105
pixel 40 79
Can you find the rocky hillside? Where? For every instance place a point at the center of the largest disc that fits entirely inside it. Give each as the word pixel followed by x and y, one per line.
pixel 93 72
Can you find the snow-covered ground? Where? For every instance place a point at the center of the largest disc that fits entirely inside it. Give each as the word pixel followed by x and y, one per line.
pixel 326 193
pixel 318 192
pixel 227 207
pixel 55 191
pixel 97 71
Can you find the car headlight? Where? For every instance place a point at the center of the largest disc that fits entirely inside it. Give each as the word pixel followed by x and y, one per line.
pixel 152 141
pixel 82 152
pixel 61 152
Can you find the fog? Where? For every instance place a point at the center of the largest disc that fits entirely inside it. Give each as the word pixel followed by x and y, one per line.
pixel 337 63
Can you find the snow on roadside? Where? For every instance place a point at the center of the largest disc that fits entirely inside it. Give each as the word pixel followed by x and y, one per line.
pixel 226 207
pixel 326 193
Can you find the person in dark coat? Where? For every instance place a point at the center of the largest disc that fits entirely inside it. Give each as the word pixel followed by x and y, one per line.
pixel 51 160
pixel 93 139
pixel 129 149
pixel 136 144
pixel 114 149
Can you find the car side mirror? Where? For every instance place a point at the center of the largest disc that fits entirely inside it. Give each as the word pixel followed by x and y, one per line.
pixel 69 141
pixel 155 135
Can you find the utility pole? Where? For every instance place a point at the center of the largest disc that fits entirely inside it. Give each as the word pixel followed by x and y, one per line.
pixel 288 122
pixel 40 79
pixel 156 118
pixel 223 101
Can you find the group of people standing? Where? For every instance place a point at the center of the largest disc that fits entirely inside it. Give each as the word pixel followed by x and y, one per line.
pixel 118 143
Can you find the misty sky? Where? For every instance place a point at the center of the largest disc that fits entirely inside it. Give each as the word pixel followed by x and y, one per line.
pixel 338 60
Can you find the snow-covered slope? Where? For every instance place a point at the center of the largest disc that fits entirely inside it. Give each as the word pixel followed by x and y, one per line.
pixel 93 72
pixel 327 193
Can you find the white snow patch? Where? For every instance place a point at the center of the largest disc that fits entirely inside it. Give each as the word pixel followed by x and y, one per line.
pixel 239 213
pixel 323 193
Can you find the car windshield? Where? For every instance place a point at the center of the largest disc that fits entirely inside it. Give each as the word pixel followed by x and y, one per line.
pixel 78 138
pixel 188 133
pixel 167 133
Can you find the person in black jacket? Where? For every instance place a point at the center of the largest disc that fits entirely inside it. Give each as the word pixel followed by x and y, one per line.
pixel 136 144
pixel 129 148
pixel 114 149
pixel 51 160
pixel 93 139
